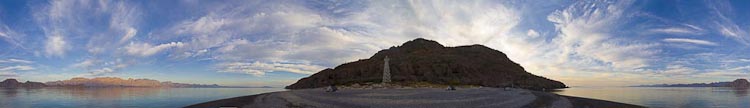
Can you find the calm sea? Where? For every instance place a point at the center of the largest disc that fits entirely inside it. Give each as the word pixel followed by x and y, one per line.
pixel 658 97
pixel 118 97
pixel 667 97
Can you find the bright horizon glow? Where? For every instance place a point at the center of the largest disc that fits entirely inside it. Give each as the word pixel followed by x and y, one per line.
pixel 275 43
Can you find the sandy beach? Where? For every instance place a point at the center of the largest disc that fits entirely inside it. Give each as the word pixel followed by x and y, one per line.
pixel 416 97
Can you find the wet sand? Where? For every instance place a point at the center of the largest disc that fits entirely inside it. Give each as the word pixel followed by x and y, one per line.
pixel 418 97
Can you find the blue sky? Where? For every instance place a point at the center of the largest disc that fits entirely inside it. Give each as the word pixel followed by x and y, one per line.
pixel 276 42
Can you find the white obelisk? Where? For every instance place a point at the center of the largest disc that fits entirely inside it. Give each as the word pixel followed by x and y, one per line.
pixel 386 71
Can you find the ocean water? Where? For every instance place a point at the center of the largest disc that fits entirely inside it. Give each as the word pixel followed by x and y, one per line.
pixel 667 97
pixel 118 97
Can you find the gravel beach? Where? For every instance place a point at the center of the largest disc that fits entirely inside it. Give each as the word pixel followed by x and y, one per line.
pixel 410 98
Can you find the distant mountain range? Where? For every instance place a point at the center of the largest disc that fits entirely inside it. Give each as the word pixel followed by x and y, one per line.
pixel 119 82
pixel 738 83
pixel 110 82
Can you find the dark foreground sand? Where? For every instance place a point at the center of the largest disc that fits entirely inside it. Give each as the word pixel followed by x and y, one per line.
pixel 410 98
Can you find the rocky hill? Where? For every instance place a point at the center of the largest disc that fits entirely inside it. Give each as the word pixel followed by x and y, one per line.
pixel 422 60
pixel 13 83
pixel 119 82
pixel 739 83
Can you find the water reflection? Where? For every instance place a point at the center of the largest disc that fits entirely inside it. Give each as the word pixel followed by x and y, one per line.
pixel 53 97
pixel 108 93
pixel 13 92
pixel 9 92
pixel 667 97
pixel 740 92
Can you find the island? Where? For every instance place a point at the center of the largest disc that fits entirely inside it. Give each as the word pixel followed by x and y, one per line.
pixel 414 75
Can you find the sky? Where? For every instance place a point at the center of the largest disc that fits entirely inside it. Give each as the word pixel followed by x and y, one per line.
pixel 277 42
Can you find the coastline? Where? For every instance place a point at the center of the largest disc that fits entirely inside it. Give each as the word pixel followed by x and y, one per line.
pixel 412 97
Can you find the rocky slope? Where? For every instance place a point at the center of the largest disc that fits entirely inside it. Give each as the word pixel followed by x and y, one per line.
pixel 13 83
pixel 422 60
pixel 119 82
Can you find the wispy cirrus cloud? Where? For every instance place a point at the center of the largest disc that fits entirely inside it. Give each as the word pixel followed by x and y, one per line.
pixel 676 30
pixel 17 67
pixel 584 33
pixel 12 71
pixel 16 61
pixel 724 25
pixel 692 41
pixel 11 67
pixel 10 36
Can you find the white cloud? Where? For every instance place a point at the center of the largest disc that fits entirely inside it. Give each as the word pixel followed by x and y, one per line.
pixel 742 68
pixel 692 41
pixel 95 68
pixel 146 49
pixel 736 60
pixel 679 70
pixel 56 46
pixel 18 68
pixel 85 64
pixel 129 34
pixel 532 33
pixel 693 27
pixel 102 26
pixel 676 30
pixel 97 72
pixel 8 74
pixel 3 34
pixel 123 18
pixel 260 68
pixel 731 31
pixel 16 61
